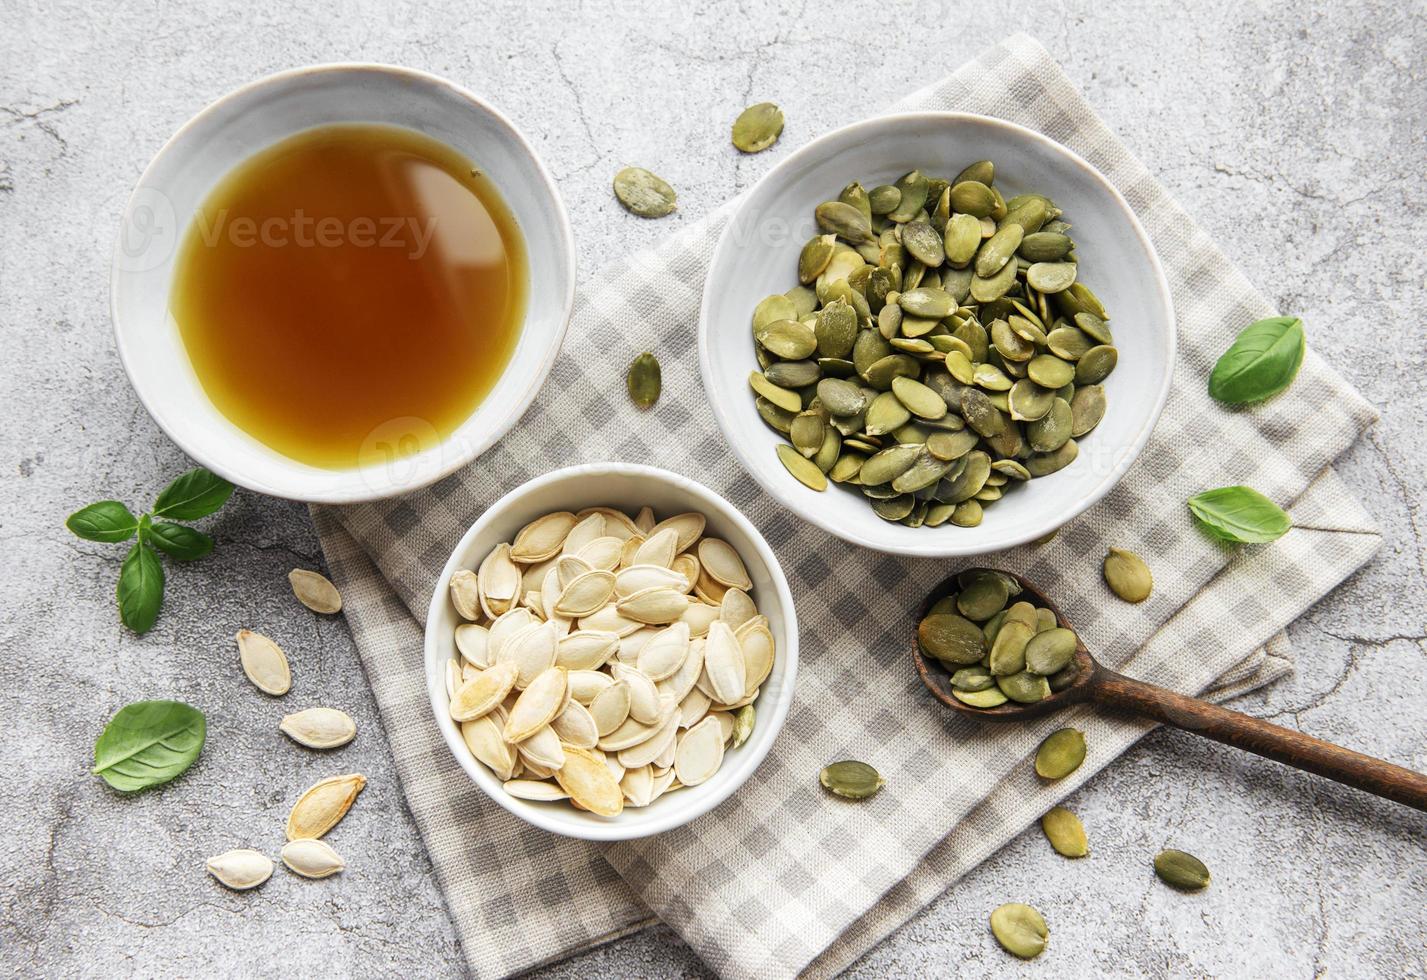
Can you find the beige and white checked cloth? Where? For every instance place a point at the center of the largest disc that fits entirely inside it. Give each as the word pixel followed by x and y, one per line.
pixel 783 878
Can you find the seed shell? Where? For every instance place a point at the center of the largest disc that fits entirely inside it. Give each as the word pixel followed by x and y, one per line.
pixel 643 193
pixel 323 806
pixel 241 868
pixel 315 591
pixel 312 858
pixel 319 728
pixel 264 663
pixel 757 127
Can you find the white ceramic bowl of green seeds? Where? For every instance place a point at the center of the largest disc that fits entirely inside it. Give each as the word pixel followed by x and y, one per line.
pixel 626 487
pixel 757 256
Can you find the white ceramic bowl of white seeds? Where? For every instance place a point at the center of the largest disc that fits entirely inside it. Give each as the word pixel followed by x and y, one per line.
pixel 503 661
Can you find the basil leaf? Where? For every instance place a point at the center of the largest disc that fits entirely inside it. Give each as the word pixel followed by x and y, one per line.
pixel 149 743
pixel 196 494
pixel 1261 363
pixel 179 541
pixel 141 588
pixel 1239 514
pixel 107 520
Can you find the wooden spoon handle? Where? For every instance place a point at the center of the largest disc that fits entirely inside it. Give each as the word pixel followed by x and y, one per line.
pixel 1270 741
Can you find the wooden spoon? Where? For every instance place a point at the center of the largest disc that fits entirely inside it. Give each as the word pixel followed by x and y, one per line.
pixel 1099 685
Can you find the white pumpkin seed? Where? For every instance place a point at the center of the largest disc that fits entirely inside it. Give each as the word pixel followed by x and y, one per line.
pixel 264 663
pixel 585 649
pixel 319 728
pixel 637 785
pixel 644 702
pixel 485 737
pixel 641 578
pixel 658 549
pixel 504 627
pixel 538 790
pixel 665 652
pixel 721 562
pixel 312 858
pixel 688 674
pixel 724 664
pixel 603 552
pixel 590 784
pixel 700 752
pixel 323 806
pixel 693 708
pixel 474 644
pixel 610 707
pixel 315 591
pixel 499 579
pixel 485 693
pixel 465 591
pixel 757 647
pixel 241 868
pixel 699 615
pixel 610 620
pixel 532 650
pixel 585 685
pixel 537 705
pixel 644 521
pixel 688 527
pixel 650 749
pixel 576 726
pixel 736 608
pixel 585 594
pixel 542 537
pixel 543 749
pixel 654 607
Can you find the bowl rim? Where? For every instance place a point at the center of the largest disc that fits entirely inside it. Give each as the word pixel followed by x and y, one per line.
pixel 345 486
pixel 771 716
pixel 933 548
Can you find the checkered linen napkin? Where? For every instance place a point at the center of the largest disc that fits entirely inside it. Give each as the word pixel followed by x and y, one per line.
pixel 784 878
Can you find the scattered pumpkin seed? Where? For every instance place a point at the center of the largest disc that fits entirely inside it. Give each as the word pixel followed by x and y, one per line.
pixel 1060 754
pixel 241 868
pixel 851 779
pixel 1127 575
pixel 1181 870
pixel 1065 832
pixel 1020 930
pixel 644 380
pixel 643 193
pixel 315 591
pixel 757 127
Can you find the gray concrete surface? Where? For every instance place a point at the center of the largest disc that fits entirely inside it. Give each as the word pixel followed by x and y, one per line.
pixel 1293 132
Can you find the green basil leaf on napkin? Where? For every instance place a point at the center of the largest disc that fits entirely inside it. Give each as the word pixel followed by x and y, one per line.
pixel 141 588
pixel 195 494
pixel 104 520
pixel 179 541
pixel 148 743
pixel 1263 361
pixel 1240 515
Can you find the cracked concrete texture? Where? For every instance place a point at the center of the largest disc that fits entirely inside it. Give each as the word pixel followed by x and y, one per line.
pixel 1292 132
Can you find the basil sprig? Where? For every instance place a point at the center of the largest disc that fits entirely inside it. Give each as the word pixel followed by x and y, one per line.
pixel 1263 361
pixel 140 591
pixel 148 743
pixel 1240 515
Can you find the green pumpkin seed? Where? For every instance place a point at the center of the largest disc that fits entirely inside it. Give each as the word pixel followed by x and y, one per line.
pixel 807 433
pixel 1127 575
pixel 973 197
pixel 1065 832
pixel 983 598
pixel 895 508
pixel 1051 277
pixel 970 679
pixel 1020 930
pixel 1049 371
pixel 1061 680
pixel 992 378
pixel 643 193
pixel 643 380
pixel 790 339
pixel 913 189
pixel 793 374
pixel 1049 651
pixel 889 464
pixel 847 468
pixel 1087 408
pixel 1045 246
pixel 1068 343
pixel 1181 870
pixel 1028 401
pixel 982 171
pixel 788 401
pixel 757 127
pixel 949 446
pixel 925 470
pixel 854 194
pixel 998 250
pixel 1044 464
pixel 1094 328
pixel 841 397
pixel 844 221
pixel 776 417
pixel 884 199
pixel 835 330
pixel 961 240
pixel 1060 754
pixel 924 243
pixel 984 289
pixel 771 308
pixel 952 639
pixel 1079 299
pixel 885 414
pixel 851 780
pixel 880 373
pixel 990 698
pixel 1024 687
pixel 814 257
pixel 1096 364
pixel 1052 430
pixel 803 470
pixel 920 400
pixel 927 302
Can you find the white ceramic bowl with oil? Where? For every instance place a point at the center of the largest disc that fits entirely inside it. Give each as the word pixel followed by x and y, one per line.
pixel 626 487
pixel 234 128
pixel 758 255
